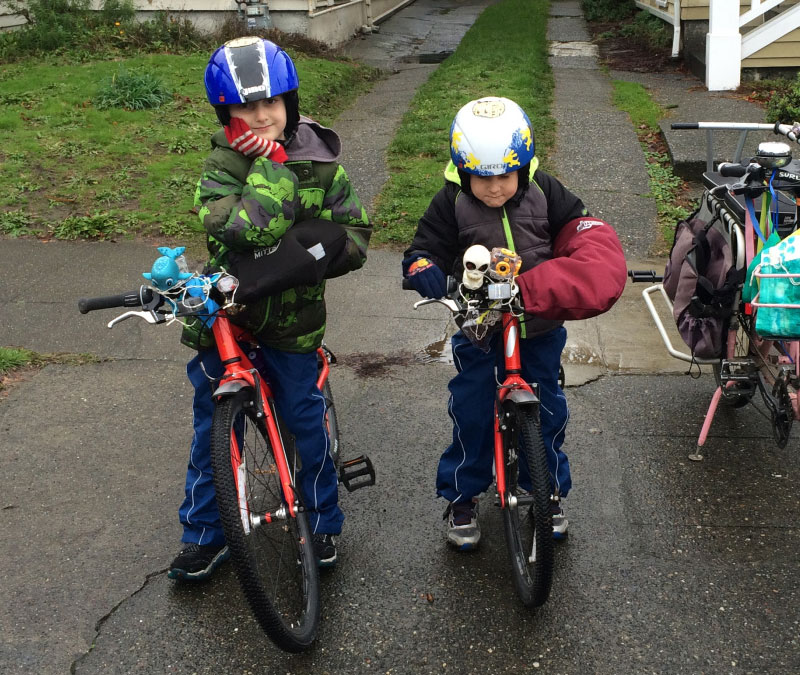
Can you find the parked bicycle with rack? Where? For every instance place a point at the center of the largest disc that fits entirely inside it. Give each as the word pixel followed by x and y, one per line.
pixel 256 465
pixel 733 280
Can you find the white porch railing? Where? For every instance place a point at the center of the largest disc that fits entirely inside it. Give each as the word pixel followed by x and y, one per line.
pixel 726 46
pixel 674 19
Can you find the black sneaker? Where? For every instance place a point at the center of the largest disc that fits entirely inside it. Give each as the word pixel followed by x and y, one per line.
pixel 196 562
pixel 325 549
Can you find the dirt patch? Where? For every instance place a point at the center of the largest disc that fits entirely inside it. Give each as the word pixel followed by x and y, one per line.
pixel 619 52
pixel 373 364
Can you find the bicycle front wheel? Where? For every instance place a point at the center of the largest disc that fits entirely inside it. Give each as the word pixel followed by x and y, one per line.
pixel 527 516
pixel 272 551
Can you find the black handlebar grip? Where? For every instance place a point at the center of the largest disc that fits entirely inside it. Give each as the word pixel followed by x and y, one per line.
pixel 135 298
pixel 732 170
pixel 684 125
pixel 644 275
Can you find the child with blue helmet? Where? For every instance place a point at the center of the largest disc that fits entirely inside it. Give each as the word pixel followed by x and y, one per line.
pixel 269 170
pixel 572 268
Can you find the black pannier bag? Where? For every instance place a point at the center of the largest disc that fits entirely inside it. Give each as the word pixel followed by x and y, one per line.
pixel 703 283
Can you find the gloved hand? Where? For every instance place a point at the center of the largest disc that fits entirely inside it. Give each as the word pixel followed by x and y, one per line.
pixel 242 139
pixel 426 278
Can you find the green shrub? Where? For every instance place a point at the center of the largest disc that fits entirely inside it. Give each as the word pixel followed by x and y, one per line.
pixel 131 90
pixel 51 24
pixel 163 31
pixel 14 357
pixel 648 30
pixel 99 225
pixel 15 223
pixel 607 10
pixel 57 26
pixel 784 106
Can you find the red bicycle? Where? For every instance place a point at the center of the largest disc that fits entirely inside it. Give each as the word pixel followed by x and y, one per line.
pixel 492 305
pixel 253 456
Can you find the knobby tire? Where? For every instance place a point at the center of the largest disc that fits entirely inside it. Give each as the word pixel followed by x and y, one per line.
pixel 274 562
pixel 530 521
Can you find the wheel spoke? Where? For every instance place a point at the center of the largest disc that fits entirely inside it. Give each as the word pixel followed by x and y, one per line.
pixel 271 550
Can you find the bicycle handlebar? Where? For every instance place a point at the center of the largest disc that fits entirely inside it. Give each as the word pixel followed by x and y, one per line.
pixel 137 298
pixel 732 170
pixel 791 131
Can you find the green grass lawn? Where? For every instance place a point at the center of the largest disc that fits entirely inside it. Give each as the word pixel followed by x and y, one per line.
pixel 504 53
pixel 72 170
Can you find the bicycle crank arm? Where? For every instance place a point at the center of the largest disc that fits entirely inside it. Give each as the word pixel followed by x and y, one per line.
pixel 357 473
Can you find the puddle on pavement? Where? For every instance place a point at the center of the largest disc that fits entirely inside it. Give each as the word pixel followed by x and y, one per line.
pixel 440 351
pixel 435 57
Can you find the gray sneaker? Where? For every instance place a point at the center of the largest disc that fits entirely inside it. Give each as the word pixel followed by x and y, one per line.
pixel 560 522
pixel 463 530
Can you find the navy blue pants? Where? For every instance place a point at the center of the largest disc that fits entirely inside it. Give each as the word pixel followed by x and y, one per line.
pixel 465 468
pixel 293 379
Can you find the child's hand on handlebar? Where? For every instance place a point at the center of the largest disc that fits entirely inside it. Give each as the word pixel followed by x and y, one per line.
pixel 426 278
pixel 242 139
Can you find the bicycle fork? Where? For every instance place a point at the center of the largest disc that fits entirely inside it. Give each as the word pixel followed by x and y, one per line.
pixel 513 392
pixel 240 374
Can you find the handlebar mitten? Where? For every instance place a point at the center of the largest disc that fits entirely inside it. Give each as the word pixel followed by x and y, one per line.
pixel 426 278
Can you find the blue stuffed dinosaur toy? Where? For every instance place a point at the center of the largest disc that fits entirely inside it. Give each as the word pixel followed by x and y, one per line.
pixel 166 273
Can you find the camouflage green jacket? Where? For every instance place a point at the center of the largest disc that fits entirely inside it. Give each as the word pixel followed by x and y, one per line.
pixel 250 204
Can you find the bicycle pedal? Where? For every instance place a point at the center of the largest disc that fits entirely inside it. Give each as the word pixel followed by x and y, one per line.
pixel 739 370
pixel 357 473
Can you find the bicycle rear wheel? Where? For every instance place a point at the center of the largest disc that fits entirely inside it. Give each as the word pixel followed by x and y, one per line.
pixel 527 518
pixel 272 551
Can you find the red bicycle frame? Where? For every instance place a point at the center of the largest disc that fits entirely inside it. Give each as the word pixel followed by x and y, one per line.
pixel 513 382
pixel 239 373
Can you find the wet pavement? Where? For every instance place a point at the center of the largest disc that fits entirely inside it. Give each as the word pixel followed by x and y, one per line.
pixel 671 566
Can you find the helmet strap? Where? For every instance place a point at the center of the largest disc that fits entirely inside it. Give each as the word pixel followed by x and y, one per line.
pixel 292 102
pixel 223 114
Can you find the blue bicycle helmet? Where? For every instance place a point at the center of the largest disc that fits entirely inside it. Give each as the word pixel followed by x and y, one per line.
pixel 250 69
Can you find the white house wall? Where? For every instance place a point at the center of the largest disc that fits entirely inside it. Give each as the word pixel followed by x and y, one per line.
pixel 330 21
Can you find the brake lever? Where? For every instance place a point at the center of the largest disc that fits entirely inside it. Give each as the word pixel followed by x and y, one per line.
pixel 149 316
pixel 451 304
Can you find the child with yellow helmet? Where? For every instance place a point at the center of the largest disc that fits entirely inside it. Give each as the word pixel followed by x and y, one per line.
pixel 572 267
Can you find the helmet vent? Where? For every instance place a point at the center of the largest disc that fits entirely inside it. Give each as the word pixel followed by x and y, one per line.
pixel 248 66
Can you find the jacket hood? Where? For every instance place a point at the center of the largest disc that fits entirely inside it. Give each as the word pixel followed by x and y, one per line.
pixel 313 142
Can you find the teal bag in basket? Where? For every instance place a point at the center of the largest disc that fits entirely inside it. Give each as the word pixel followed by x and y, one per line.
pixel 782 258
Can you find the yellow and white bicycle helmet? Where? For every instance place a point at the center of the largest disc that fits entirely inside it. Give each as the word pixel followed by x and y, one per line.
pixel 491 136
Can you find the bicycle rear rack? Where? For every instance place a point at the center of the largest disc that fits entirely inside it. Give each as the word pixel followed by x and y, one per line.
pixel 678 354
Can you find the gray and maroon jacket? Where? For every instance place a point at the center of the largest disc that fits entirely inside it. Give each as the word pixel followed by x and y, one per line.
pixel 573 266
